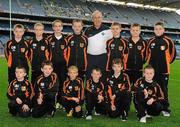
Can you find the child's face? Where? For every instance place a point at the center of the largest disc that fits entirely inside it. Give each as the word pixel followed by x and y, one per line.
pixel 72 74
pixel 57 28
pixel 18 32
pixel 115 30
pixel 158 30
pixel 135 31
pixel 77 27
pixel 148 74
pixel 47 70
pixel 96 75
pixel 117 68
pixel 20 74
pixel 39 30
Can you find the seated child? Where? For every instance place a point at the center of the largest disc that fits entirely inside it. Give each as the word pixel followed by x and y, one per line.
pixel 73 93
pixel 95 94
pixel 20 93
pixel 46 88
pixel 148 95
pixel 119 93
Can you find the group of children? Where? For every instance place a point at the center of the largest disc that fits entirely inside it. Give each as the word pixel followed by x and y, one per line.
pixel 59 63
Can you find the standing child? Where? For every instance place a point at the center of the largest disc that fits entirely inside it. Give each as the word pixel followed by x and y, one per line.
pixel 161 53
pixel 20 93
pixel 77 48
pixel 119 93
pixel 38 51
pixel 46 88
pixel 148 95
pixel 73 93
pixel 116 47
pixel 16 52
pixel 95 94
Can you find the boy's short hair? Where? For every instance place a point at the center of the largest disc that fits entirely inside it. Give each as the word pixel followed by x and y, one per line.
pixel 38 24
pixel 159 24
pixel 20 26
pixel 55 21
pixel 116 24
pixel 117 61
pixel 21 67
pixel 148 67
pixel 72 68
pixel 96 69
pixel 77 20
pixel 46 62
pixel 135 25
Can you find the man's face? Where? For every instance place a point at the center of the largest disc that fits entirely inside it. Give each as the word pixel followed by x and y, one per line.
pixel 158 30
pixel 20 74
pixel 96 75
pixel 77 27
pixel 47 70
pixel 115 30
pixel 18 32
pixel 39 30
pixel 135 31
pixel 72 74
pixel 57 28
pixel 97 19
pixel 148 74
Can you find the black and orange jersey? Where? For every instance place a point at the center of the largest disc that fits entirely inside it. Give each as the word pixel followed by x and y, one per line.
pixel 38 52
pixel 160 53
pixel 118 85
pixel 21 89
pixel 46 85
pixel 136 54
pixel 116 48
pixel 153 89
pixel 74 88
pixel 95 88
pixel 16 53
pixel 76 53
pixel 56 48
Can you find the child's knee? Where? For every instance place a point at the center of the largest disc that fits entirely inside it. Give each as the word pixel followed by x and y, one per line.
pixel 78 108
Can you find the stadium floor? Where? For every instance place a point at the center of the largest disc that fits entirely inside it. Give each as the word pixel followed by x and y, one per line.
pixel 60 119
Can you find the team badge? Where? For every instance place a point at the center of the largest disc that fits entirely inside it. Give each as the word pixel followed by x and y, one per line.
pixel 152 45
pixel 23 88
pixel 76 88
pixel 70 88
pixel 62 46
pixel 53 44
pixel 42 48
pixel 22 49
pixel 120 48
pixel 16 86
pixel 13 48
pixel 81 45
pixel 72 43
pixel 98 89
pixel 130 45
pixel 162 48
pixel 139 47
pixel 112 46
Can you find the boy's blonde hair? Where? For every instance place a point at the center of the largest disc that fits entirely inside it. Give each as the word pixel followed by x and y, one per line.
pixel 116 24
pixel 72 68
pixel 77 20
pixel 20 26
pixel 55 21
pixel 38 24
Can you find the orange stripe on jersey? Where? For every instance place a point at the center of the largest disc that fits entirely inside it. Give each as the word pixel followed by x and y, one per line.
pixel 148 51
pixel 108 54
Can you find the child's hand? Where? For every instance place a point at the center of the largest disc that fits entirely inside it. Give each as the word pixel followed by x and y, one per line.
pixel 18 100
pixel 150 101
pixel 25 108
pixel 76 99
pixel 145 93
pixel 113 107
pixel 100 98
pixel 39 101
pixel 113 97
